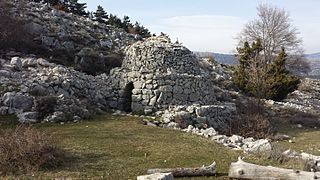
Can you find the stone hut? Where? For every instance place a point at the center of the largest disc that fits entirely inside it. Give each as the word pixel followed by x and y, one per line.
pixel 158 76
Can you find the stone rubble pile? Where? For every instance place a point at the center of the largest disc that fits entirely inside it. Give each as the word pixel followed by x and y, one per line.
pixel 214 116
pixel 235 142
pixel 28 79
pixel 248 145
pixel 305 99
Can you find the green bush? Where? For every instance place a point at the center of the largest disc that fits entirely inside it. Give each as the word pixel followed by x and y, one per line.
pixel 258 78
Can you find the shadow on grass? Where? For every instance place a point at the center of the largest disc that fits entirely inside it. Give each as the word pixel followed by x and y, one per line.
pixel 74 162
pixel 8 120
pixel 289 123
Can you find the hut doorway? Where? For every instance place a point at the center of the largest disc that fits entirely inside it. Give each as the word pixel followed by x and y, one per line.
pixel 127 97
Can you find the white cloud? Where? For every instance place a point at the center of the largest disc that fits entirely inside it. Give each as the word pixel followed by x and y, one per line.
pixel 202 32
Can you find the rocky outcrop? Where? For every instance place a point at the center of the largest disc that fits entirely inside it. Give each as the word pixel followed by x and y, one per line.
pixel 64 37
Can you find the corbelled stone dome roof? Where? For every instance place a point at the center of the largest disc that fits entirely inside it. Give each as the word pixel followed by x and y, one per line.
pixel 158 54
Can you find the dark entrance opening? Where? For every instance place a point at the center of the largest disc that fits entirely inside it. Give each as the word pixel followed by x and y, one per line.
pixel 127 97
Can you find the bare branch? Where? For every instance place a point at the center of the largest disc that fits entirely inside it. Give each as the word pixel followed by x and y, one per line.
pixel 273 27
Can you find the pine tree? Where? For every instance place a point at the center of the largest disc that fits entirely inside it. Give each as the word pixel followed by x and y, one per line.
pixel 241 76
pixel 114 21
pixel 141 30
pixel 254 77
pixel 100 15
pixel 77 8
pixel 280 81
pixel 126 24
pixel 52 2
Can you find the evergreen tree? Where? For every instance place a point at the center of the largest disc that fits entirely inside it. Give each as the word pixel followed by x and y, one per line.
pixel 126 24
pixel 52 2
pixel 100 15
pixel 141 30
pixel 253 76
pixel 280 81
pixel 115 21
pixel 77 8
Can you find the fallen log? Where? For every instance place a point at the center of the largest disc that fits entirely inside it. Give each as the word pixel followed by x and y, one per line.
pixel 187 172
pixel 244 170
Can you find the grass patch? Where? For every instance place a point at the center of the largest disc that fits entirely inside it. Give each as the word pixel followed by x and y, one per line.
pixel 122 148
pixel 8 120
pixel 305 139
pixel 26 150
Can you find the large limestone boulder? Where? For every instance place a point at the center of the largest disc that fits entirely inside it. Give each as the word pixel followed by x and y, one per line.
pixel 5 73
pixel 17 101
pixel 259 146
pixel 28 117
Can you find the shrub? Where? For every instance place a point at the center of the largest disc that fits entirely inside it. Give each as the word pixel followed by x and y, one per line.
pixel 25 150
pixel 180 121
pixel 251 122
pixel 45 106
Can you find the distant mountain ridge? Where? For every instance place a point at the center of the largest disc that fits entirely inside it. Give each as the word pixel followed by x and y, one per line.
pixel 314 56
pixel 313 59
pixel 221 58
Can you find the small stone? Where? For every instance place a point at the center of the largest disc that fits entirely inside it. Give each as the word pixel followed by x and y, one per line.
pixel 209 132
pixel 151 124
pixel 28 117
pixel 173 125
pixel 16 63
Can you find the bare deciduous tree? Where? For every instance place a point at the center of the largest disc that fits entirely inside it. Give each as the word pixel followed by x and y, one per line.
pixel 273 27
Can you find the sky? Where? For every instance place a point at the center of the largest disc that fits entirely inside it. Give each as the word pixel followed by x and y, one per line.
pixel 212 25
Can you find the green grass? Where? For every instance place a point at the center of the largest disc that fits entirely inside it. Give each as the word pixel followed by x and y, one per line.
pixel 304 139
pixel 8 120
pixel 122 148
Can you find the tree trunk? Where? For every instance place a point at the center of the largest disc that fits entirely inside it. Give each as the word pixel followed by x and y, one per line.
pixel 243 170
pixel 188 172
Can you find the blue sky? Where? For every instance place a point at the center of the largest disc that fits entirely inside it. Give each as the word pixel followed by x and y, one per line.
pixel 212 25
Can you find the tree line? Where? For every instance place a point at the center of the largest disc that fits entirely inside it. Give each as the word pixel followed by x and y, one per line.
pixel 100 15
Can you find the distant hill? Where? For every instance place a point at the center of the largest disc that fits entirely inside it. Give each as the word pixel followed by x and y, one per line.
pixel 314 56
pixel 314 61
pixel 222 58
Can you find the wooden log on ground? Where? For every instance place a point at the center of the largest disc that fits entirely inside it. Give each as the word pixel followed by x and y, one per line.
pixel 188 172
pixel 244 170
